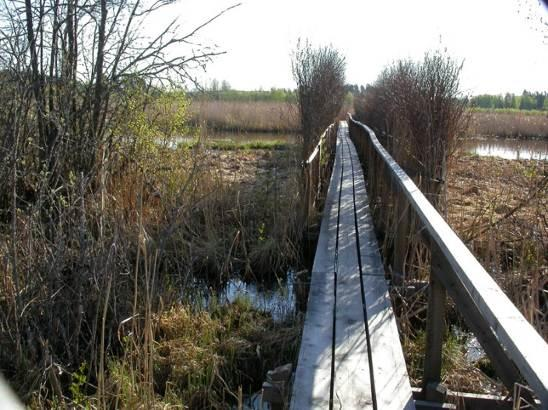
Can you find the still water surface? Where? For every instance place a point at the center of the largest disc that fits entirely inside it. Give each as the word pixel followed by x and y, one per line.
pixel 507 148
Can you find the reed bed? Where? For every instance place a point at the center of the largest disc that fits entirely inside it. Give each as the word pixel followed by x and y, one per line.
pixel 515 124
pixel 258 116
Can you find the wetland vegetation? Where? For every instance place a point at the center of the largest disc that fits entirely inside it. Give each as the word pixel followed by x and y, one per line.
pixel 126 219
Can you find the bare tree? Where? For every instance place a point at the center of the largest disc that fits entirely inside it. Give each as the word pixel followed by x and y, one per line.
pixel 66 70
pixel 319 74
pixel 76 57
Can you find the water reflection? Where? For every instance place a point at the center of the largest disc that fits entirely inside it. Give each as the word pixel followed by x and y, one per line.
pixel 507 148
pixel 277 298
pixel 250 136
pixel 231 137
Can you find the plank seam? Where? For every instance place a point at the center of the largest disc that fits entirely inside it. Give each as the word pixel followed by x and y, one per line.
pixel 335 270
pixel 364 305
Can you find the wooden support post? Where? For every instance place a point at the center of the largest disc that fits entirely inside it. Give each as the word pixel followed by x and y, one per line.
pixel 400 239
pixel 504 367
pixel 306 195
pixel 319 182
pixel 370 171
pixel 435 328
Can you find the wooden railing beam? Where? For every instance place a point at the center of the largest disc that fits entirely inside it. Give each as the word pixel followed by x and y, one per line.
pixel 522 343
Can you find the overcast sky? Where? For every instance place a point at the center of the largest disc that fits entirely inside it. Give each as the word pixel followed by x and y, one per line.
pixel 504 43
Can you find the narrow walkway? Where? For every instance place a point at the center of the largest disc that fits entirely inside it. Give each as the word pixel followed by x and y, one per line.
pixel 350 354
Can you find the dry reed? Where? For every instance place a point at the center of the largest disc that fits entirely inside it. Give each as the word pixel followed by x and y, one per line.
pixel 89 294
pixel 259 116
pixel 517 124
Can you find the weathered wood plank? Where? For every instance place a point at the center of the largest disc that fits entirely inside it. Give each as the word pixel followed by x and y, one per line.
pixel 392 386
pixel 352 386
pixel 311 389
pixel 522 342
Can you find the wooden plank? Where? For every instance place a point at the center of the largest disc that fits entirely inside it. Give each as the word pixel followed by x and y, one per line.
pixel 392 386
pixel 522 342
pixel 311 389
pixel 352 386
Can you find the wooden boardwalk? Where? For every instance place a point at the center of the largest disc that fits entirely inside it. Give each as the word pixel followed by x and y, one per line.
pixel 350 354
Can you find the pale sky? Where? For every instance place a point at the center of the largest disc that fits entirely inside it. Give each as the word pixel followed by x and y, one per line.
pixel 504 43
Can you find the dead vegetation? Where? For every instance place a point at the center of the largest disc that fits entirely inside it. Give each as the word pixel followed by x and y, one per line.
pixel 195 213
pixel 499 207
pixel 204 359
pixel 515 124
pixel 257 116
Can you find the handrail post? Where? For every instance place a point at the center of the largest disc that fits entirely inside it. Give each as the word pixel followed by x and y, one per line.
pixel 306 194
pixel 319 182
pixel 435 328
pixel 400 239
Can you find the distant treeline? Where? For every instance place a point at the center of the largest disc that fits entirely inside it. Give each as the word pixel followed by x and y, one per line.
pixel 526 101
pixel 223 92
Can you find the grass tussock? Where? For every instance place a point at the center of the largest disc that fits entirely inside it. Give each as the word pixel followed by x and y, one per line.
pixel 206 359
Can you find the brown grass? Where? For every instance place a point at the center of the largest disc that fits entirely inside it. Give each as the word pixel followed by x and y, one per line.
pixel 262 116
pixel 499 208
pixel 206 359
pixel 508 124
pixel 121 256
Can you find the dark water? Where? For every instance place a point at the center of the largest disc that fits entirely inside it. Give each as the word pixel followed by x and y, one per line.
pixel 507 148
pixel 277 298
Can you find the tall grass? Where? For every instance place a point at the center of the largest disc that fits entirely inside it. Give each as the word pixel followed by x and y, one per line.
pixel 514 123
pixel 283 117
pixel 89 289
pixel 259 116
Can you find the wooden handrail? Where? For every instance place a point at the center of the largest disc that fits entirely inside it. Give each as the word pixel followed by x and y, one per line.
pixel 317 171
pixel 318 145
pixel 521 342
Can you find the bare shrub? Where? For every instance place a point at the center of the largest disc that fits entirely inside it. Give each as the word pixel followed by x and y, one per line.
pixel 319 74
pixel 418 111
